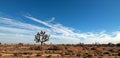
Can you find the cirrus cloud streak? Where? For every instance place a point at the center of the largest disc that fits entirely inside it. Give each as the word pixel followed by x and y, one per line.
pixel 60 34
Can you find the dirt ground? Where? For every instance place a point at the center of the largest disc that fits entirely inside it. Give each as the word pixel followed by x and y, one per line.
pixel 59 51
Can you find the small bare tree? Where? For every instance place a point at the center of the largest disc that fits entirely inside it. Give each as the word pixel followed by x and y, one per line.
pixel 41 37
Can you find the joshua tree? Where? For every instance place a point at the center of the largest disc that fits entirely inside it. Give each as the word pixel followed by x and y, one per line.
pixel 41 37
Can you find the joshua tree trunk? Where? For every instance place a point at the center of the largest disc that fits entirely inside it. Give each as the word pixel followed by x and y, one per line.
pixel 41 46
pixel 41 43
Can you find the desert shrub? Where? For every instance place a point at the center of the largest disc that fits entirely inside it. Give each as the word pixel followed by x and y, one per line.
pixel 50 56
pixel 118 44
pixel 27 53
pixel 36 48
pixel 106 53
pixel 110 44
pixel 93 48
pixel 54 48
pixel 119 54
pixel 119 50
pixel 17 54
pixel 28 57
pixel 80 44
pixel 31 48
pixel 78 54
pixel 100 57
pixel 103 48
pixel 49 51
pixel 20 44
pixel 46 51
pixel 88 56
pixel 38 54
pixel 63 48
pixel 69 52
pixel 66 47
pixel 111 50
pixel 86 53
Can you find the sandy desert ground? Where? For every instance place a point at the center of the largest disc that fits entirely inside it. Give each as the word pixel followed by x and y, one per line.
pixel 59 51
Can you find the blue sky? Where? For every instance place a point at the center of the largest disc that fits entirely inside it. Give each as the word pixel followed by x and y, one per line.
pixel 68 21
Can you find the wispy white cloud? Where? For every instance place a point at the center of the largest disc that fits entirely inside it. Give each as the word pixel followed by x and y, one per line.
pixel 15 30
pixel 58 31
pixel 13 22
pixel 51 20
pixel 19 31
pixel 63 33
pixel 39 21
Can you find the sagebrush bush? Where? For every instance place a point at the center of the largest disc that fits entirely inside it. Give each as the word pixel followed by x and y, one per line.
pixel 36 48
pixel 54 48
pixel 50 56
pixel 93 48
pixel 17 54
pixel 38 54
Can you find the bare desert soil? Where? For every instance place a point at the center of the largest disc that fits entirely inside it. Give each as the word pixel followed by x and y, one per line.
pixel 59 51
